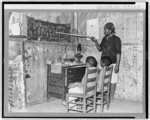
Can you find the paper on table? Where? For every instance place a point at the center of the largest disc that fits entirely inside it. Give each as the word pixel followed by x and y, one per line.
pixel 56 68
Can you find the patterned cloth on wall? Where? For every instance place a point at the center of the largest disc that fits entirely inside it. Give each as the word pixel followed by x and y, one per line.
pixel 45 31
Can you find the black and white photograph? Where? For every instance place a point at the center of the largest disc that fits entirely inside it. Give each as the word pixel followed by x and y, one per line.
pixel 74 60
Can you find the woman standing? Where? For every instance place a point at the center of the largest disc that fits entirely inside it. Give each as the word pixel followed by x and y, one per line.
pixel 111 47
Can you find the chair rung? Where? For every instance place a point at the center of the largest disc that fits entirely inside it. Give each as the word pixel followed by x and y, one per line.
pixel 79 103
pixel 105 91
pixel 90 99
pixel 104 95
pixel 72 106
pixel 99 97
pixel 101 103
pixel 90 105
pixel 89 110
pixel 75 109
pixel 88 96
pixel 74 95
pixel 90 102
pixel 71 100
pixel 80 110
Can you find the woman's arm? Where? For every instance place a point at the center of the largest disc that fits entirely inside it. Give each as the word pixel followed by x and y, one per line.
pixel 96 43
pixel 97 46
pixel 117 63
pixel 118 56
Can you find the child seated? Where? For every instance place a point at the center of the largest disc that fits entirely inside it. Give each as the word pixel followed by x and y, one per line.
pixel 105 62
pixel 78 86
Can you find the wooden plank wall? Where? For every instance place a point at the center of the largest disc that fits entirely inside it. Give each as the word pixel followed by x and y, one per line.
pixel 39 53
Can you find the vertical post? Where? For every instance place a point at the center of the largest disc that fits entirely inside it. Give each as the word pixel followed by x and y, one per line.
pixel 76 26
pixel 24 72
pixel 85 92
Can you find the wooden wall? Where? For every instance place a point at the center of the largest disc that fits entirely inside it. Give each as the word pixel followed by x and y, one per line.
pixel 39 53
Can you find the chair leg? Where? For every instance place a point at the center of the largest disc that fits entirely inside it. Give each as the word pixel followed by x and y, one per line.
pixel 67 103
pixel 108 102
pixel 79 106
pixel 102 107
pixel 94 104
pixel 84 105
pixel 102 104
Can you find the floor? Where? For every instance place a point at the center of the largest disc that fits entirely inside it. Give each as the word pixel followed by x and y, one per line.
pixel 116 106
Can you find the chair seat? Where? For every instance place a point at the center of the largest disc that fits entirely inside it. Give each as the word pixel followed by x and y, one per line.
pixel 81 95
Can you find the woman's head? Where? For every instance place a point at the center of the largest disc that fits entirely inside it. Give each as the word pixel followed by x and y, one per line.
pixel 91 61
pixel 109 28
pixel 105 61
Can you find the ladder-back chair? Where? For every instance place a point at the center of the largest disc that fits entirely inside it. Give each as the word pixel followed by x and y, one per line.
pixel 103 96
pixel 86 101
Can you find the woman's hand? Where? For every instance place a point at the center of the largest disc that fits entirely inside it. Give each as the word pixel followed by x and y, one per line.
pixel 116 68
pixel 93 39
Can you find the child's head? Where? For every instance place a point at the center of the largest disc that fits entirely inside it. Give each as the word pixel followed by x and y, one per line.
pixel 106 61
pixel 91 62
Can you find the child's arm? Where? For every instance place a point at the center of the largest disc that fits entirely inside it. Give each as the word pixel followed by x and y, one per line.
pixel 71 85
pixel 83 79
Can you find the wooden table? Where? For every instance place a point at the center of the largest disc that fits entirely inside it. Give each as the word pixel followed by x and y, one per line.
pixel 57 83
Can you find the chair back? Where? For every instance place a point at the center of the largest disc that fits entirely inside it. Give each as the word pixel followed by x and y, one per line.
pixel 90 82
pixel 106 78
pixel 103 96
pixel 86 101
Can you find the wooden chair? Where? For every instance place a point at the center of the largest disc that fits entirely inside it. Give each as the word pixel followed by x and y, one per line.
pixel 103 96
pixel 86 101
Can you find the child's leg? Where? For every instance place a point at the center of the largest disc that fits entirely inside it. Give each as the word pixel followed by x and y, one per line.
pixel 113 89
pixel 114 81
